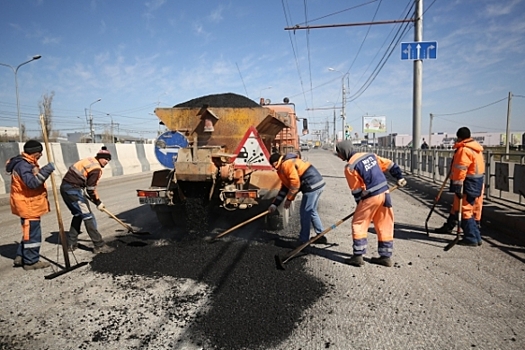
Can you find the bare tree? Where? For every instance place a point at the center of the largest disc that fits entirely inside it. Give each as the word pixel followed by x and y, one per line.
pixel 46 110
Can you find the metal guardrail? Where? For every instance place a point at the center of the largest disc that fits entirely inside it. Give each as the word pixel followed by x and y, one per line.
pixel 504 172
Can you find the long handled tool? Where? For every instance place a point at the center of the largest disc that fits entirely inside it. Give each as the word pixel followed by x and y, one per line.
pixel 279 262
pixel 62 234
pixel 129 228
pixel 222 234
pixel 436 200
pixel 460 211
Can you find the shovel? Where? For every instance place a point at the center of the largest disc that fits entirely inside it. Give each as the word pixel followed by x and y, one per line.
pixel 213 239
pixel 456 240
pixel 129 228
pixel 436 200
pixel 279 262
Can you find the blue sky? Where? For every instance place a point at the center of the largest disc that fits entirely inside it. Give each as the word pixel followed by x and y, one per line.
pixel 137 55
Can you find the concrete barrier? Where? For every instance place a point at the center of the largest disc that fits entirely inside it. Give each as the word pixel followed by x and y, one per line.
pixel 126 159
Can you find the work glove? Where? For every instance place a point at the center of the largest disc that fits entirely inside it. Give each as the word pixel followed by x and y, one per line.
pixel 101 206
pixel 51 165
pixel 402 182
pixel 272 208
pixel 458 190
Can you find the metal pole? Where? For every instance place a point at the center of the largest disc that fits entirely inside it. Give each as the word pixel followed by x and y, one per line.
pixel 343 111
pixel 430 131
pixel 15 71
pixel 507 137
pixel 335 132
pixel 418 83
pixel 91 130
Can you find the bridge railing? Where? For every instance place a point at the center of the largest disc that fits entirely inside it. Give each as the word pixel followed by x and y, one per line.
pixel 504 173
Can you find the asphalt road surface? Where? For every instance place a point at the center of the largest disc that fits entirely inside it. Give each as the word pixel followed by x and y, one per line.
pixel 170 290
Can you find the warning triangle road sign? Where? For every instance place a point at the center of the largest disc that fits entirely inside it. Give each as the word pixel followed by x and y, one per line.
pixel 251 152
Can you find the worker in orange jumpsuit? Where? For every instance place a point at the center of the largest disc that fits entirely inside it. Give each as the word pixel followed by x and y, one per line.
pixel 467 176
pixel 367 181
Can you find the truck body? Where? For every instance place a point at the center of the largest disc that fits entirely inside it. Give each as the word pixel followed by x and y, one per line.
pixel 223 164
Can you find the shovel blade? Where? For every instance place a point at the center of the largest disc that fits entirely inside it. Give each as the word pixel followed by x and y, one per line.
pixel 279 264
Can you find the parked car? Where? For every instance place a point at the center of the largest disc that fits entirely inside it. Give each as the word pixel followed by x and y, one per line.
pixel 304 147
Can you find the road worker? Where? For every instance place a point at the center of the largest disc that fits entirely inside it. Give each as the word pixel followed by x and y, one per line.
pixel 29 201
pixel 366 179
pixel 296 176
pixel 467 176
pixel 78 188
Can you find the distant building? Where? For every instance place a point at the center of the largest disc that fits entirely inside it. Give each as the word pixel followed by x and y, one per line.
pixel 9 131
pixel 446 141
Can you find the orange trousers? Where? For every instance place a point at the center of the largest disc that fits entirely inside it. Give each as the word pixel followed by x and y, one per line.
pixel 472 210
pixel 368 210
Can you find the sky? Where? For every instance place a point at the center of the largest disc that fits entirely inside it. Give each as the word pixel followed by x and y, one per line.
pixel 138 55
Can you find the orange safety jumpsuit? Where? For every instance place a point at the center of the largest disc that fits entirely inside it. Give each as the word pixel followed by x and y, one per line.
pixel 467 177
pixel 366 179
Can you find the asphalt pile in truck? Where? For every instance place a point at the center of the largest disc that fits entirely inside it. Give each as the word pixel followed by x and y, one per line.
pixel 219 100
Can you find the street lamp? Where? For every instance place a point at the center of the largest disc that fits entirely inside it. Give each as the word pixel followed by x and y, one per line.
pixel 91 130
pixel 15 71
pixel 343 103
pixel 260 91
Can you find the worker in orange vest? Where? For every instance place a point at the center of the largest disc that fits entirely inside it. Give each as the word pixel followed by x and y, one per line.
pixel 29 201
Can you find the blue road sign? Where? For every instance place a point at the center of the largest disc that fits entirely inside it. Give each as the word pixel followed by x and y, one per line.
pixel 167 148
pixel 419 50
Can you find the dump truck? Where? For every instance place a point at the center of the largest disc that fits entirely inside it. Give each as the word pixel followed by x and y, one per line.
pixel 216 155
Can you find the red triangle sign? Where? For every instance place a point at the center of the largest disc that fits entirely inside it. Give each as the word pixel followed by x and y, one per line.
pixel 252 153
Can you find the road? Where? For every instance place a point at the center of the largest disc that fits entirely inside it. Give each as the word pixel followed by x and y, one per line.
pixel 172 291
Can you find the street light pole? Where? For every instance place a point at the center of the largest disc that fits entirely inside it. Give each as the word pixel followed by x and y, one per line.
pixel 91 130
pixel 15 71
pixel 260 91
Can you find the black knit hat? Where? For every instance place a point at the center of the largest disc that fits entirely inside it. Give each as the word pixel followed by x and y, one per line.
pixel 32 146
pixel 103 153
pixel 274 158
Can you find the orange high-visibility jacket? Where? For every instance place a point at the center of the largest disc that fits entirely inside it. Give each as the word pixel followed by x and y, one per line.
pixel 468 167
pixel 85 173
pixel 296 175
pixel 28 196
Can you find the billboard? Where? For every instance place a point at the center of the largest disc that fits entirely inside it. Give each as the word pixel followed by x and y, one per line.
pixel 373 124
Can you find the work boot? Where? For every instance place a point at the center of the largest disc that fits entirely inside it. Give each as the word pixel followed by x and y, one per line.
pixel 18 262
pixel 466 243
pixel 321 240
pixel 38 265
pixel 382 260
pixel 446 228
pixel 103 249
pixel 355 260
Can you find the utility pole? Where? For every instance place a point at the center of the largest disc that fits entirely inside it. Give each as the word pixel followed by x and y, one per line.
pixel 335 133
pixel 430 131
pixel 418 83
pixel 507 138
pixel 91 129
